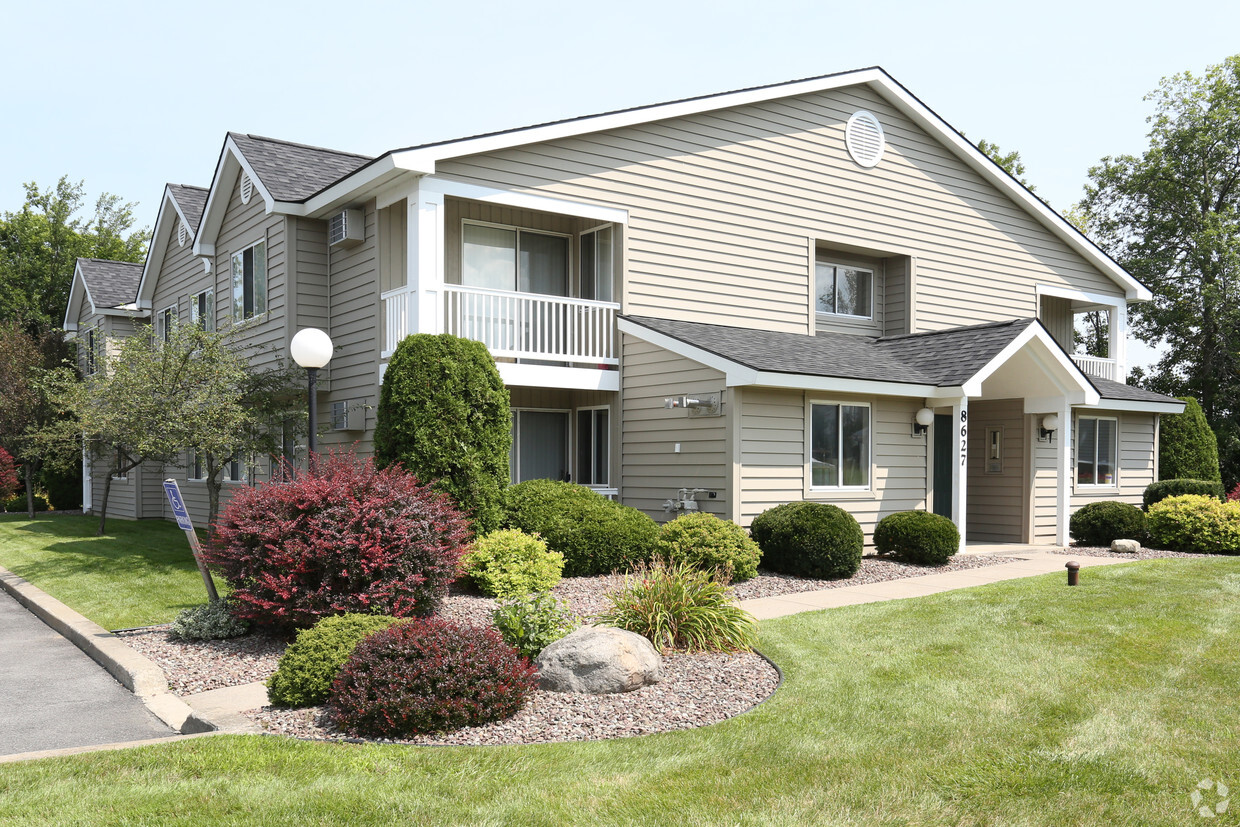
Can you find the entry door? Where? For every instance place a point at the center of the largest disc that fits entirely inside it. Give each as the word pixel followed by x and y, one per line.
pixel 944 456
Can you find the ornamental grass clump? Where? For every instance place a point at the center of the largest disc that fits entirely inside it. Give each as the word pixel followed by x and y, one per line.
pixel 509 562
pixel 339 537
pixel 429 675
pixel 311 663
pixel 706 542
pixel 676 606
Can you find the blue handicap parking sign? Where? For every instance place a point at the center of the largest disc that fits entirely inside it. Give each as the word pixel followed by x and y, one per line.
pixel 178 505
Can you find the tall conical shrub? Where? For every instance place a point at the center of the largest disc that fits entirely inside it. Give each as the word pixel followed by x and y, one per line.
pixel 1187 447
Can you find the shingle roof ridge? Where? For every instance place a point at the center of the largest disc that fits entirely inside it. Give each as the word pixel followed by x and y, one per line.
pixel 190 187
pixel 283 142
pixel 110 261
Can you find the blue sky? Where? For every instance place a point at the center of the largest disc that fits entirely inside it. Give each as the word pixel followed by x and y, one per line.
pixel 128 96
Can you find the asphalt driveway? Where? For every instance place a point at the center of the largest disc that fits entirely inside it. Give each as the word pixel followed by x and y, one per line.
pixel 53 696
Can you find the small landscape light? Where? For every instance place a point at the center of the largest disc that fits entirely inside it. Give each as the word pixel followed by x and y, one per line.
pixel 1074 572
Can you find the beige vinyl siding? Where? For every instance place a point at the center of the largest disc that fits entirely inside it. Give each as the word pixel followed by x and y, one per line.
pixel 896 306
pixel 996 502
pixel 1136 459
pixel 310 282
pixel 179 276
pixel 244 225
pixel 773 456
pixel 353 374
pixel 723 204
pixel 1057 317
pixel 1044 487
pixel 649 470
pixel 392 241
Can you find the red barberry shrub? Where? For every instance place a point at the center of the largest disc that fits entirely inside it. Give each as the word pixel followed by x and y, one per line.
pixel 9 482
pixel 1234 494
pixel 342 537
pixel 427 676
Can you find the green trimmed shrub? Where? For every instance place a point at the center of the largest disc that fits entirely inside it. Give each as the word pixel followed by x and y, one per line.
pixel 429 676
pixel 706 542
pixel 509 562
pixel 64 489
pixel 310 664
pixel 1158 491
pixel 1101 523
pixel 17 503
pixel 679 606
pixel 595 534
pixel 1187 447
pixel 1203 525
pixel 210 621
pixel 444 415
pixel 531 622
pixel 920 537
pixel 809 540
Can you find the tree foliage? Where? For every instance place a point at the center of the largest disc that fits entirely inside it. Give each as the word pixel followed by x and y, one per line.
pixel 1187 449
pixel 1009 161
pixel 41 242
pixel 1171 217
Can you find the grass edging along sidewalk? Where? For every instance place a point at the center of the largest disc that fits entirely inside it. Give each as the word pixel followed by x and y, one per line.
pixel 1021 702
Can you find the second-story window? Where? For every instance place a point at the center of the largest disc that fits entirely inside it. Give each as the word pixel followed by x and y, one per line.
pixel 202 309
pixel 94 350
pixel 596 264
pixel 249 282
pixel 164 321
pixel 505 258
pixel 843 290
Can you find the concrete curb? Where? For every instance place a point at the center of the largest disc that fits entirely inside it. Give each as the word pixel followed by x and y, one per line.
pixel 136 673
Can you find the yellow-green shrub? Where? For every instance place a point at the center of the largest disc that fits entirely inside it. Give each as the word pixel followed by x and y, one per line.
pixel 508 563
pixel 1195 523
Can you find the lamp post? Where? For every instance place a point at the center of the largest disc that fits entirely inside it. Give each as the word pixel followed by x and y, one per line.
pixel 312 349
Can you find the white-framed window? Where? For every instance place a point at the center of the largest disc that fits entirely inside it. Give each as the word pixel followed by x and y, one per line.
pixel 202 309
pixel 249 282
pixel 839 445
pixel 236 470
pixel 498 257
pixel 164 320
pixel 539 445
pixel 596 257
pixel 842 289
pixel 92 359
pixel 593 446
pixel 1097 451
pixel 121 461
pixel 195 468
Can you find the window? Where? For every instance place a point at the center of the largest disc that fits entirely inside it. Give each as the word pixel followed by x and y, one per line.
pixel 202 309
pixel 596 264
pixel 93 345
pixel 843 290
pixel 1096 441
pixel 164 320
pixel 122 459
pixel 505 258
pixel 195 468
pixel 593 446
pixel 249 282
pixel 539 446
pixel 839 445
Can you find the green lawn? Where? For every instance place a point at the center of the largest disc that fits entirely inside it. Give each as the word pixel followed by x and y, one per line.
pixel 1025 702
pixel 139 573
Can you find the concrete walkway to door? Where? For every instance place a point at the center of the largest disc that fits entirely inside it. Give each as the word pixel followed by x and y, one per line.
pixel 1032 560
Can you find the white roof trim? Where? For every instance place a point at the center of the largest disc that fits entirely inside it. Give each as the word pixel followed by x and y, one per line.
pixel 523 200
pixel 1036 332
pixel 231 164
pixel 74 308
pixel 159 246
pixel 1133 406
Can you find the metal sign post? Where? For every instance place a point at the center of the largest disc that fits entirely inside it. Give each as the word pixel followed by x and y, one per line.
pixel 182 515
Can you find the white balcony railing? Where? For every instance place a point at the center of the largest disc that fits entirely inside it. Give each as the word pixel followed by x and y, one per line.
pixel 1097 366
pixel 514 325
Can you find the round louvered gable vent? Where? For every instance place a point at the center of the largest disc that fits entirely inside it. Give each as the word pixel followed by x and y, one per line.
pixel 247 188
pixel 865 140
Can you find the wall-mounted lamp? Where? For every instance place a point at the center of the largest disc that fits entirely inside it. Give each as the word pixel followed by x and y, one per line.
pixel 922 421
pixel 1050 424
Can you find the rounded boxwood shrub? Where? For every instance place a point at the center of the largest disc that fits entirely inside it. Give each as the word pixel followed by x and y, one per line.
pixel 311 663
pixel 429 676
pixel 1101 523
pixel 1187 447
pixel 340 537
pixel 17 503
pixel 920 537
pixel 1158 491
pixel 444 415
pixel 704 541
pixel 595 534
pixel 1192 523
pixel 509 562
pixel 809 540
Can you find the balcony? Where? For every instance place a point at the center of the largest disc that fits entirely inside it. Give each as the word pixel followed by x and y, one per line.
pixel 513 325
pixel 1097 366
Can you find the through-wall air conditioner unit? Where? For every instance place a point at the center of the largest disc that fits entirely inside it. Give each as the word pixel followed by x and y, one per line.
pixel 349 415
pixel 346 228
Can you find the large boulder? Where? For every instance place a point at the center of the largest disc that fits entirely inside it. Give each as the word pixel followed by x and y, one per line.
pixel 599 660
pixel 1126 546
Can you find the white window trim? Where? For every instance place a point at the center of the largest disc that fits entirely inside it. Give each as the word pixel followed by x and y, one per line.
pixel 516 444
pixel 573 444
pixel 193 307
pixel 1076 456
pixel 190 462
pixel 232 300
pixel 810 488
pixel 837 262
pixel 570 277
pixel 163 324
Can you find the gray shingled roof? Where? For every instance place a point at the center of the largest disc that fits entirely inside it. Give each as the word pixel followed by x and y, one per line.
pixel 1128 393
pixel 192 201
pixel 294 172
pixel 111 283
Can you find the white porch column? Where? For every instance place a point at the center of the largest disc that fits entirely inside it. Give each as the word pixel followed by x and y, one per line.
pixel 425 260
pixel 1119 340
pixel 960 465
pixel 1063 456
